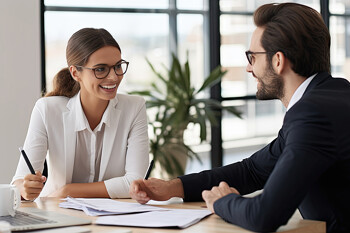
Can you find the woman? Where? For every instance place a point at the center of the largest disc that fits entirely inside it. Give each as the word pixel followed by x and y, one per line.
pixel 96 139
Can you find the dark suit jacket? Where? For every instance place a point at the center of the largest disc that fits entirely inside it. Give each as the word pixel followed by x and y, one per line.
pixel 307 167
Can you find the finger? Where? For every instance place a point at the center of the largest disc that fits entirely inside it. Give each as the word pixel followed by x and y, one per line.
pixel 32 191
pixel 31 177
pixel 205 194
pixel 233 190
pixel 33 184
pixel 216 190
pixel 224 185
pixel 38 173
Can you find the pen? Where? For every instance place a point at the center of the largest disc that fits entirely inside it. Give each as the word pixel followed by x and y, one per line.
pixel 27 160
pixel 149 169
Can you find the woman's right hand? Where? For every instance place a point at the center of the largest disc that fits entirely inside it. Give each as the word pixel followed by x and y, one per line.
pixel 31 186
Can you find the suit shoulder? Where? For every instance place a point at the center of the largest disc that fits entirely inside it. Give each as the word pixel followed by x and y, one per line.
pixel 52 102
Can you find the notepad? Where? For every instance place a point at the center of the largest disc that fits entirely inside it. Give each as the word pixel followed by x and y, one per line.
pixel 179 218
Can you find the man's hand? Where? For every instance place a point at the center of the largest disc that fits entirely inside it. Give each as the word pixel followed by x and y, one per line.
pixel 31 186
pixel 216 193
pixel 155 189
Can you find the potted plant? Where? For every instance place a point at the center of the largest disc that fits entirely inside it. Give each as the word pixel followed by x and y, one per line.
pixel 177 105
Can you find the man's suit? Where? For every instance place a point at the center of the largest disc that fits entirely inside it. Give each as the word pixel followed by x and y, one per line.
pixel 306 167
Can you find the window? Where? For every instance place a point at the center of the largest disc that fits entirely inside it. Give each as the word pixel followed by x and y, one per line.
pixel 156 28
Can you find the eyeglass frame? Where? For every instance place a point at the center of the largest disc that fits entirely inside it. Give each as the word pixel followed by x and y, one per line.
pixel 110 67
pixel 249 54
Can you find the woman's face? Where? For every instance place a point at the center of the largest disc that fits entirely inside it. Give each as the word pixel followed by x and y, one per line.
pixel 91 88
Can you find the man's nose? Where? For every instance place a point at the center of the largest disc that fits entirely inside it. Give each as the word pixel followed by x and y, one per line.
pixel 249 68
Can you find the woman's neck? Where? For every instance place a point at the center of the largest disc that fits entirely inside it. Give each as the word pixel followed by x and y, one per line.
pixel 93 109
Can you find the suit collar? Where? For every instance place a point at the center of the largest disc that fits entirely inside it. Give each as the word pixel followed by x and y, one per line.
pixel 319 78
pixel 74 105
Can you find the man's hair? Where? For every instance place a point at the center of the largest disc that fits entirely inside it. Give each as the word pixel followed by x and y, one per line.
pixel 298 32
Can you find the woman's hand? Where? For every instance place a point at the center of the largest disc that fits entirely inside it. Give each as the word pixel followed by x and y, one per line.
pixel 31 186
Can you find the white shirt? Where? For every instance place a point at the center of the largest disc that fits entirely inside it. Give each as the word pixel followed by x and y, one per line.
pixel 300 91
pixel 89 148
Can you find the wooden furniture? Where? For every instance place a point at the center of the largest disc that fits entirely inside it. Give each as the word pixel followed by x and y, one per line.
pixel 212 223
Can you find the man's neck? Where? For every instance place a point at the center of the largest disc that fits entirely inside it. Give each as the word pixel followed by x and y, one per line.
pixel 291 83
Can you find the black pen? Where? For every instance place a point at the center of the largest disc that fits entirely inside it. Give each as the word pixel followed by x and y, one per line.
pixel 149 169
pixel 27 160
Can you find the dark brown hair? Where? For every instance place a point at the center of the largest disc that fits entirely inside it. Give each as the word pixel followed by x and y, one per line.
pixel 79 48
pixel 298 32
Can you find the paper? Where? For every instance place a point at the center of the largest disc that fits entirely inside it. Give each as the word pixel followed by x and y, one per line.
pixel 173 200
pixel 105 206
pixel 180 218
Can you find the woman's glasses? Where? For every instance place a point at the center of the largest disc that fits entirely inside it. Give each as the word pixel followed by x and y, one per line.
pixel 102 71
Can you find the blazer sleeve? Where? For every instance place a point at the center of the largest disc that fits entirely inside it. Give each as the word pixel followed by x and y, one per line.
pixel 310 150
pixel 35 144
pixel 137 155
pixel 246 176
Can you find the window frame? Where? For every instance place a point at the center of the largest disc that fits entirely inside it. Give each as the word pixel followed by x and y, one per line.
pixel 211 38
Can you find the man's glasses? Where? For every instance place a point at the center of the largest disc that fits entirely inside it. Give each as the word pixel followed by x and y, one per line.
pixel 250 54
pixel 102 71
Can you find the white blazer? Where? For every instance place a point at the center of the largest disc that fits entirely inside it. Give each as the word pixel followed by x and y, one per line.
pixel 125 150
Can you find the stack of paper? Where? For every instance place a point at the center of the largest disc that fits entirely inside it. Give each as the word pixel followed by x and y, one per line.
pixel 136 215
pixel 104 206
pixel 180 218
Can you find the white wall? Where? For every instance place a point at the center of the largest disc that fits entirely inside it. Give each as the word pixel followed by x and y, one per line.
pixel 20 77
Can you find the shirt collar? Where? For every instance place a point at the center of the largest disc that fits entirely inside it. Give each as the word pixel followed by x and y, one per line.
pixel 300 91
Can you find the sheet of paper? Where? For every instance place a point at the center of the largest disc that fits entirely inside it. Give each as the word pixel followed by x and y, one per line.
pixel 173 200
pixel 105 206
pixel 180 218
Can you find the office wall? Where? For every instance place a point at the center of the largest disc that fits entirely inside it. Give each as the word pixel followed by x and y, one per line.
pixel 20 77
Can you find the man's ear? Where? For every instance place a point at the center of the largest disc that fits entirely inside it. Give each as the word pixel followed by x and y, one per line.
pixel 74 73
pixel 279 62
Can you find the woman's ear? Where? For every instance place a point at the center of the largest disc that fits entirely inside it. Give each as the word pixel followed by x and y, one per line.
pixel 279 62
pixel 74 73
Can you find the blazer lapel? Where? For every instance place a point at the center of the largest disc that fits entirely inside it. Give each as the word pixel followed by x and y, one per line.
pixel 109 137
pixel 69 119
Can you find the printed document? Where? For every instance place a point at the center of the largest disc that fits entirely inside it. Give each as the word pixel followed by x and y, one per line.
pixel 180 218
pixel 106 206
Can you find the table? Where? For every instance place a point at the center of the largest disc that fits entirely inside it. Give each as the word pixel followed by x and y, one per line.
pixel 213 223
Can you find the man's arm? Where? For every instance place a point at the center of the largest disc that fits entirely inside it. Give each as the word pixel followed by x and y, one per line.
pixel 309 151
pixel 246 176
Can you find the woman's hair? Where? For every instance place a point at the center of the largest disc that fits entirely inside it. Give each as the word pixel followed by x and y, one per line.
pixel 298 32
pixel 80 46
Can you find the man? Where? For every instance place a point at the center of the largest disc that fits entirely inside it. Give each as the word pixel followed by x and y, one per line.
pixel 308 165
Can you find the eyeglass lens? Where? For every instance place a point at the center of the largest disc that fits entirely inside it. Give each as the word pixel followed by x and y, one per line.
pixel 249 57
pixel 103 71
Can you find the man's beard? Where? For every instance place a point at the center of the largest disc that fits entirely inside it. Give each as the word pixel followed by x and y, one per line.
pixel 271 85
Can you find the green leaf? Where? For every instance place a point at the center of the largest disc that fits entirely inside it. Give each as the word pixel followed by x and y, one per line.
pixel 154 71
pixel 213 78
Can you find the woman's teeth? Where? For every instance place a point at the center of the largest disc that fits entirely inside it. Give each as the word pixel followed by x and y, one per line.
pixel 109 87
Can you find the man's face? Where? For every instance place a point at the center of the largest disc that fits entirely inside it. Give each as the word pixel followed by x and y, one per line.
pixel 270 85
